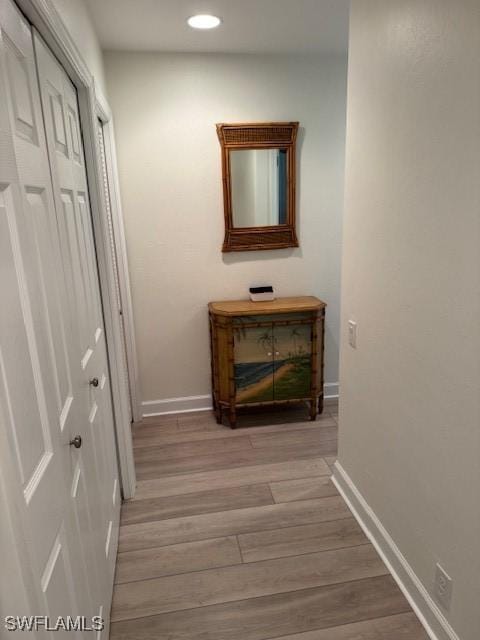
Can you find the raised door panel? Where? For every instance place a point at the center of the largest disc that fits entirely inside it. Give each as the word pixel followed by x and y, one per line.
pixel 36 235
pixel 21 92
pixel 58 589
pixel 293 360
pixel 71 261
pixel 28 412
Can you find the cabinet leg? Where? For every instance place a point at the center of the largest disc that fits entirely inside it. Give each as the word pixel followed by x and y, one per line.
pixel 320 404
pixel 233 418
pixel 218 414
pixel 313 409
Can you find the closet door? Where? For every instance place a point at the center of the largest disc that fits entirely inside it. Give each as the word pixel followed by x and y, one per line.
pixel 41 397
pixel 65 149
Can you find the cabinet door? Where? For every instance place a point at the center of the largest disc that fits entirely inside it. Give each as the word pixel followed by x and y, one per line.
pixel 292 376
pixel 253 363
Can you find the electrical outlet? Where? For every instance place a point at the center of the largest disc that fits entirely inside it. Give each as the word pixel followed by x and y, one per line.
pixel 443 587
pixel 352 333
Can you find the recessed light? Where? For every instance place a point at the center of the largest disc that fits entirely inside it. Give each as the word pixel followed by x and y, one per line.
pixel 203 21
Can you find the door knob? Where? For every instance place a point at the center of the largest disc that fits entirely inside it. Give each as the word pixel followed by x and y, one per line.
pixel 76 442
pixel 94 382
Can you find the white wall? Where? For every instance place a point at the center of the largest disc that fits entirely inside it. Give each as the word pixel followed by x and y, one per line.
pixel 410 412
pixel 165 109
pixel 76 17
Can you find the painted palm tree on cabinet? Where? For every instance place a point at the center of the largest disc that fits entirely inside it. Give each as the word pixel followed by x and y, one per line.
pixel 295 333
pixel 272 363
pixel 266 341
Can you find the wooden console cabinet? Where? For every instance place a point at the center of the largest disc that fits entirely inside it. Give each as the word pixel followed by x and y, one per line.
pixel 267 353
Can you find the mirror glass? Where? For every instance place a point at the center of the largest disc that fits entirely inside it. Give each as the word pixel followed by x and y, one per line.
pixel 259 187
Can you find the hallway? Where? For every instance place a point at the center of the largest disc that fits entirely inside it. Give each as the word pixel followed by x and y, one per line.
pixel 241 535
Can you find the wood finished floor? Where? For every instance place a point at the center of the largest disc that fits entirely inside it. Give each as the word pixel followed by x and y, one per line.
pixel 241 535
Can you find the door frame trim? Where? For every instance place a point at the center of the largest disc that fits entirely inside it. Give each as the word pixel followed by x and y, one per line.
pixel 47 21
pixel 105 115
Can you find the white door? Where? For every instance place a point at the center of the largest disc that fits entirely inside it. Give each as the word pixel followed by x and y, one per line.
pixel 98 452
pixel 41 409
pixel 66 499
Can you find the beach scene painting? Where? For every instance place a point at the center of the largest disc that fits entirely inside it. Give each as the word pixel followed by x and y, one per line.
pixel 272 363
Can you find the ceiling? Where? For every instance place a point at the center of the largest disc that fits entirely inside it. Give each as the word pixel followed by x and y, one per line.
pixel 249 26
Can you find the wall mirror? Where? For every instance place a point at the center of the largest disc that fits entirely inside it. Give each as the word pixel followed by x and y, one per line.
pixel 258 169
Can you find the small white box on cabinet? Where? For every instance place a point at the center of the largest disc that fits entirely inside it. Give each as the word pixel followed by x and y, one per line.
pixel 261 294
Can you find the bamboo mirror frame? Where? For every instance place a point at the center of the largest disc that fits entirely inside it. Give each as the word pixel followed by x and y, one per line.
pixel 279 136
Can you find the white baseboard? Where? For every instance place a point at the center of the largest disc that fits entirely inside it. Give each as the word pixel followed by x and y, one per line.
pixel 176 405
pixel 427 611
pixel 204 403
pixel 330 391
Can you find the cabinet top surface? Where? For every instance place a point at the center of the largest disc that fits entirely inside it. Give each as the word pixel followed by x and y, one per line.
pixel 279 305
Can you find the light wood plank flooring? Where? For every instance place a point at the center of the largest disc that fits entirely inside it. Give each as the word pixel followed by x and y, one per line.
pixel 241 535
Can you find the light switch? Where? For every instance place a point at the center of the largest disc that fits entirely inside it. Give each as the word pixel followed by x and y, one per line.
pixel 352 333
